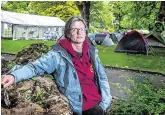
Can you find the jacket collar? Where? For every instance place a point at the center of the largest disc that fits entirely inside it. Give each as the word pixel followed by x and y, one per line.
pixel 91 48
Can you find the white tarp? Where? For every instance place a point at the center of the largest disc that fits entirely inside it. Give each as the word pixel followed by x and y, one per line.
pixel 31 20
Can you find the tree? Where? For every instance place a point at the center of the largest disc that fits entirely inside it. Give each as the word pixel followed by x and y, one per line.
pixel 161 14
pixel 145 13
pixel 13 6
pixel 135 14
pixel 100 17
pixel 84 8
pixel 119 9
pixel 61 9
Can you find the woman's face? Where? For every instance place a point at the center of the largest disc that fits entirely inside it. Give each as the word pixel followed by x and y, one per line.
pixel 77 32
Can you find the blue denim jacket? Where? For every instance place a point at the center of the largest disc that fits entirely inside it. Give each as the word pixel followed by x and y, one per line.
pixel 59 63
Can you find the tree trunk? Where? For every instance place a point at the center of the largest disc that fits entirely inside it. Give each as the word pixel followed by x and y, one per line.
pixel 161 15
pixel 84 8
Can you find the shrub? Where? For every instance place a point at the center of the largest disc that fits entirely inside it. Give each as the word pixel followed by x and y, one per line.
pixel 144 98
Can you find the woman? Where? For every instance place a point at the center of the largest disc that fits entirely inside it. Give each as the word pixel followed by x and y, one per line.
pixel 76 68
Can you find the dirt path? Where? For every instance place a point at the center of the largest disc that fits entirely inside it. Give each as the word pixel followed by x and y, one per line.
pixel 119 77
pixel 7 56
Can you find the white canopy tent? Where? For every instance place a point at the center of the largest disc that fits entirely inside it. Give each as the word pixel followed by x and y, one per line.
pixel 27 26
pixel 30 20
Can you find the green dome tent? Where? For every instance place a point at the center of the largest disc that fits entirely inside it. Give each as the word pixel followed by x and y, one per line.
pixel 154 40
pixel 163 36
pixel 159 37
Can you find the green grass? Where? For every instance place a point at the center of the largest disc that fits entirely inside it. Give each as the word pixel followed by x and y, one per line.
pixel 154 63
pixel 9 46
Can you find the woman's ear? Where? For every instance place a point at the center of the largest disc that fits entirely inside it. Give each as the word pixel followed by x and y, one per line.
pixel 69 35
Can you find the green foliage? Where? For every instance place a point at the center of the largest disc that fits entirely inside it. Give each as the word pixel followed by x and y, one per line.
pixel 38 7
pixel 11 64
pixel 145 13
pixel 144 98
pixel 119 10
pixel 134 14
pixel 104 15
pixel 16 6
pixel 37 97
pixel 100 17
pixel 49 76
pixel 61 9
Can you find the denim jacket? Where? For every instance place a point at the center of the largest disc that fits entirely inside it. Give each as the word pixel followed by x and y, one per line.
pixel 59 63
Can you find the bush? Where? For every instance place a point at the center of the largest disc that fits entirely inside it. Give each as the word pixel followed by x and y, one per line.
pixel 144 98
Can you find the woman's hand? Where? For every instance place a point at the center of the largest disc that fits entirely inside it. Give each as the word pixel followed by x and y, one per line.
pixel 7 80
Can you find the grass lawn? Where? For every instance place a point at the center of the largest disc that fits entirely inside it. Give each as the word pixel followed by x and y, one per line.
pixel 9 46
pixel 155 63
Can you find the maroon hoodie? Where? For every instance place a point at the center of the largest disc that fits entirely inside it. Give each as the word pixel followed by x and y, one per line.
pixel 84 68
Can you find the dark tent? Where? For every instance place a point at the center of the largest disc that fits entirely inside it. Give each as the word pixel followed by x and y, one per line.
pixel 132 42
pixel 154 41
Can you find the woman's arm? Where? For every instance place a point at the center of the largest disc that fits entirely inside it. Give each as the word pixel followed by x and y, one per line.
pixel 45 64
pixel 104 86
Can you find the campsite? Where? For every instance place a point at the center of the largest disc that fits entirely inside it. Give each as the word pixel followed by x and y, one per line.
pixel 130 44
